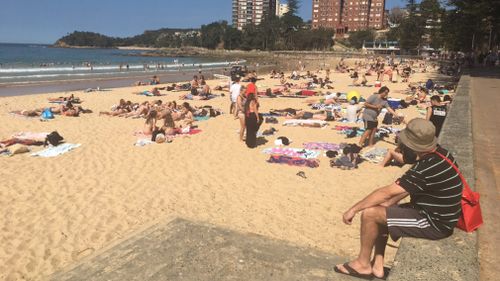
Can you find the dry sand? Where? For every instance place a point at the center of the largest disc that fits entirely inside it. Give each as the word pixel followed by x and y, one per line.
pixel 56 211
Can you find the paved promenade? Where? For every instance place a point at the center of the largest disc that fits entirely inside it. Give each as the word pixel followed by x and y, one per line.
pixel 486 124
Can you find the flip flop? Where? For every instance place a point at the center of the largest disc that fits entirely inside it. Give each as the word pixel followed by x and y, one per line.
pixel 302 174
pixel 353 273
pixel 386 274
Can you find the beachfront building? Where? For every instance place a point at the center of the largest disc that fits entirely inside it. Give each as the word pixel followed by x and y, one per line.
pixel 251 11
pixel 348 15
pixel 281 8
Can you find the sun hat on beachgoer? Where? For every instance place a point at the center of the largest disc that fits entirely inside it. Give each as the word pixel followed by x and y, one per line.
pixel 419 135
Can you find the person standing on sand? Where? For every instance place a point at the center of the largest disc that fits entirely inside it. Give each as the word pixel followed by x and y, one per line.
pixel 435 189
pixel 373 105
pixel 240 111
pixel 235 92
pixel 251 87
pixel 252 120
pixel 436 113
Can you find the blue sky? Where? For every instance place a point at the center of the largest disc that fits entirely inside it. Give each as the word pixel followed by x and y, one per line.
pixel 44 21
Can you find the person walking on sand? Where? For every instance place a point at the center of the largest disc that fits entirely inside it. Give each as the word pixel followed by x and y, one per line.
pixel 373 105
pixel 435 190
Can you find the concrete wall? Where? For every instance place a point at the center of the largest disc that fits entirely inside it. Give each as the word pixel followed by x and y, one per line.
pixel 454 258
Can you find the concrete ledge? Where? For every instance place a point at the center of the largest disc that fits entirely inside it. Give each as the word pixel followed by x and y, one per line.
pixel 186 250
pixel 454 258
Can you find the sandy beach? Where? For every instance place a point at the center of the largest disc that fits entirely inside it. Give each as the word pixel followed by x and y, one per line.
pixel 56 211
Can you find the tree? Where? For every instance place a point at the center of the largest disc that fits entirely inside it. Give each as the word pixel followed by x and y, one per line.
pixel 396 17
pixel 293 7
pixel 212 35
pixel 232 38
pixel 472 25
pixel 357 38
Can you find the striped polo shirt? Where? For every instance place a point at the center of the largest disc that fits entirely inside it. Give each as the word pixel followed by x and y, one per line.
pixel 435 189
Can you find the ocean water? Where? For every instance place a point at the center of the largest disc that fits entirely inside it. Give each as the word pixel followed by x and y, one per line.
pixel 31 63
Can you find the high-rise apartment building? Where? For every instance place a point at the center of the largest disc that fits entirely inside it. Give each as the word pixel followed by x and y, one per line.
pixel 348 15
pixel 328 14
pixel 251 11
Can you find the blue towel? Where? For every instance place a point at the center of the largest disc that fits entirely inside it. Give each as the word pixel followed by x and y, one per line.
pixel 54 151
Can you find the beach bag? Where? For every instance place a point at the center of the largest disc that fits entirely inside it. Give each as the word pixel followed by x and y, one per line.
pixel 387 119
pixel 53 138
pixel 471 217
pixel 47 114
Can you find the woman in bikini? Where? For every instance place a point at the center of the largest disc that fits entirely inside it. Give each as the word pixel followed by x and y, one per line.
pixel 240 111
pixel 168 125
pixel 150 124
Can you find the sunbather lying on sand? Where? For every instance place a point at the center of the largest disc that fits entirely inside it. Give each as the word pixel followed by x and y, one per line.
pixel 122 108
pixel 67 109
pixel 154 92
pixel 71 98
pixel 327 99
pixel 324 115
pixel 12 141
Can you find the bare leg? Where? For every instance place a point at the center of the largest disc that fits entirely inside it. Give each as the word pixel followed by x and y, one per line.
pixel 243 126
pixel 378 257
pixel 392 155
pixel 364 136
pixel 372 137
pixel 373 227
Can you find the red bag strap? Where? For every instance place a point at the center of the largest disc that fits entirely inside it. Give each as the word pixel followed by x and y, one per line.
pixel 467 192
pixel 452 164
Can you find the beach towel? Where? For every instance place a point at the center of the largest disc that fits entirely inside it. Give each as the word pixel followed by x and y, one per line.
pixel 305 123
pixel 375 155
pixel 292 152
pixel 54 151
pixel 179 132
pixel 293 161
pixel 201 118
pixel 322 146
pixel 307 93
pixel 292 97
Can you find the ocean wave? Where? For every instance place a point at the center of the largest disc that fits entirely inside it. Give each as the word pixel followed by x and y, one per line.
pixel 108 68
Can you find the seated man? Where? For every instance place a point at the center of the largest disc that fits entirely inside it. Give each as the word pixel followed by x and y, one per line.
pixel 435 189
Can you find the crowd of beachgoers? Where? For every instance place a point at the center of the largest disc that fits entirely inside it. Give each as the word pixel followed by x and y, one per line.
pixel 194 141
pixel 314 88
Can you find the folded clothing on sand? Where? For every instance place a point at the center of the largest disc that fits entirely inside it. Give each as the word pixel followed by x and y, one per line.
pixel 293 161
pixel 54 151
pixel 375 155
pixel 143 142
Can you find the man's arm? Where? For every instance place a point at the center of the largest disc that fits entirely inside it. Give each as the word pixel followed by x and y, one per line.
pixel 386 195
pixel 429 113
pixel 369 105
pixel 389 108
